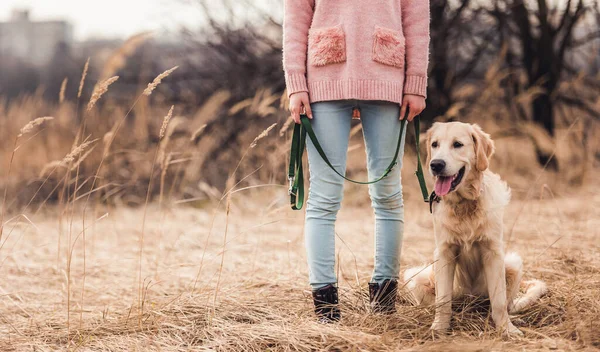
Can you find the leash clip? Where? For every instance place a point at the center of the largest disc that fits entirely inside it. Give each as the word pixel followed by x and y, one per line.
pixel 433 198
pixel 291 188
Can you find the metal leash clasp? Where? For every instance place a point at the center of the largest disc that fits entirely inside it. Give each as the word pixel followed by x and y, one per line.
pixel 291 188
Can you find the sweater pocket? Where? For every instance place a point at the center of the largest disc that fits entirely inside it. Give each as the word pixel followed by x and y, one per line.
pixel 326 46
pixel 388 47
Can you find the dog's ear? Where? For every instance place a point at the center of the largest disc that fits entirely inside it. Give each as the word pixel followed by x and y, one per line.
pixel 484 148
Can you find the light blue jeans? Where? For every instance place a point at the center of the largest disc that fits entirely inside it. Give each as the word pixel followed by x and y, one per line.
pixel 381 127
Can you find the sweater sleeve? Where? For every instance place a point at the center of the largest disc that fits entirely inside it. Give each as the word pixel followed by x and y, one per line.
pixel 297 20
pixel 415 24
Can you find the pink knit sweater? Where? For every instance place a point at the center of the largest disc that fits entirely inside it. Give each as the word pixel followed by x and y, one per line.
pixel 356 49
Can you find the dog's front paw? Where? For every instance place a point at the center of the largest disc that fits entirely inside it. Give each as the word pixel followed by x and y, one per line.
pixel 512 331
pixel 440 328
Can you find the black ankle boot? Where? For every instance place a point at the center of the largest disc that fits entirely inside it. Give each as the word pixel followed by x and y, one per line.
pixel 326 304
pixel 383 296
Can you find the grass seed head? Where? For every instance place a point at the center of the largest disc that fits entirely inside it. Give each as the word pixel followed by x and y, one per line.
pixel 63 87
pixel 50 167
pixel 157 81
pixel 198 133
pixel 165 123
pixel 34 123
pixel 107 140
pixel 262 135
pixel 83 75
pixel 69 158
pixel 99 90
pixel 286 126
pixel 118 59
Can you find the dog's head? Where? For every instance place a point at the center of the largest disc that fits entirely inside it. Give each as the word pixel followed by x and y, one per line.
pixel 457 155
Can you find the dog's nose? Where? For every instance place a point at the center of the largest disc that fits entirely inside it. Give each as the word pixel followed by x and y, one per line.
pixel 437 165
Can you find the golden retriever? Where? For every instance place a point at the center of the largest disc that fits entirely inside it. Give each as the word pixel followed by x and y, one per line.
pixel 469 257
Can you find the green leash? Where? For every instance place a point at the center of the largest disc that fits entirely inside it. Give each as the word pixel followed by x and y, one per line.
pixel 295 170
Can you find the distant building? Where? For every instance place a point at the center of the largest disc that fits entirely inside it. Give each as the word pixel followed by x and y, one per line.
pixel 34 42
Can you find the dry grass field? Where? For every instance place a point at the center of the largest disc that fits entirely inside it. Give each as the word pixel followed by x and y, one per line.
pixel 233 277
pixel 116 234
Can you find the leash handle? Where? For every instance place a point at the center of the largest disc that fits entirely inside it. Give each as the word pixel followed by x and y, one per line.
pixel 295 170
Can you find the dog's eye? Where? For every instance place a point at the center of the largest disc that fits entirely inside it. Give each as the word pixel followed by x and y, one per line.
pixel 434 145
pixel 457 144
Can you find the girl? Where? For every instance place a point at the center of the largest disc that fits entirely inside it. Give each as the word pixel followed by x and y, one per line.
pixel 341 55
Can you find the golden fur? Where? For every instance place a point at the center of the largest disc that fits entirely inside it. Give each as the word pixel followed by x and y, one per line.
pixel 469 255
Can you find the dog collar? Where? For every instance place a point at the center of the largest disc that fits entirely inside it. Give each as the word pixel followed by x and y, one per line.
pixel 433 198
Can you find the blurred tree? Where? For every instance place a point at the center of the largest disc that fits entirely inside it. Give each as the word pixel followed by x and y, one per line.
pixel 546 34
pixel 234 58
pixel 463 41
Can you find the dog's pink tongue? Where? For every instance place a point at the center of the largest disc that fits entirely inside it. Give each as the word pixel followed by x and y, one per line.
pixel 443 185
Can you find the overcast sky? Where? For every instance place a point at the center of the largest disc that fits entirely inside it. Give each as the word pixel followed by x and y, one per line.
pixel 109 18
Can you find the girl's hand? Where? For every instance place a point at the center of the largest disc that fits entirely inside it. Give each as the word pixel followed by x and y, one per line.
pixel 298 101
pixel 415 103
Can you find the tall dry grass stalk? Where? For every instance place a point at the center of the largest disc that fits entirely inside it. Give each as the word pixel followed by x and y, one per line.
pixel 165 136
pixel 152 85
pixel 163 175
pixel 262 135
pixel 164 159
pixel 63 88
pixel 33 124
pixel 24 130
pixel 230 185
pixel 165 123
pixel 142 235
pixel 99 91
pixel 76 152
pixel 286 126
pixel 197 133
pixel 68 160
pixel 118 58
pixel 106 141
pixel 162 132
pixel 83 75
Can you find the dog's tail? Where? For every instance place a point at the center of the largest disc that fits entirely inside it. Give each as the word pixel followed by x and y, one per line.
pixel 534 290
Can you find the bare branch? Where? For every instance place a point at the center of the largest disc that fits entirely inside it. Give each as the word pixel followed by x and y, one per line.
pixel 565 17
pixel 568 35
pixel 581 104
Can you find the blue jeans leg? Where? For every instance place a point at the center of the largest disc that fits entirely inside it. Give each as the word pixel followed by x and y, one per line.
pixel 331 123
pixel 381 129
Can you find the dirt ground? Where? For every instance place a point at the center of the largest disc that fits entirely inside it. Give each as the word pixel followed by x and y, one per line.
pixel 217 281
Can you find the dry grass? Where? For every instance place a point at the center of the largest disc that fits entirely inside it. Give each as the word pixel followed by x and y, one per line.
pixel 262 302
pixel 81 270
